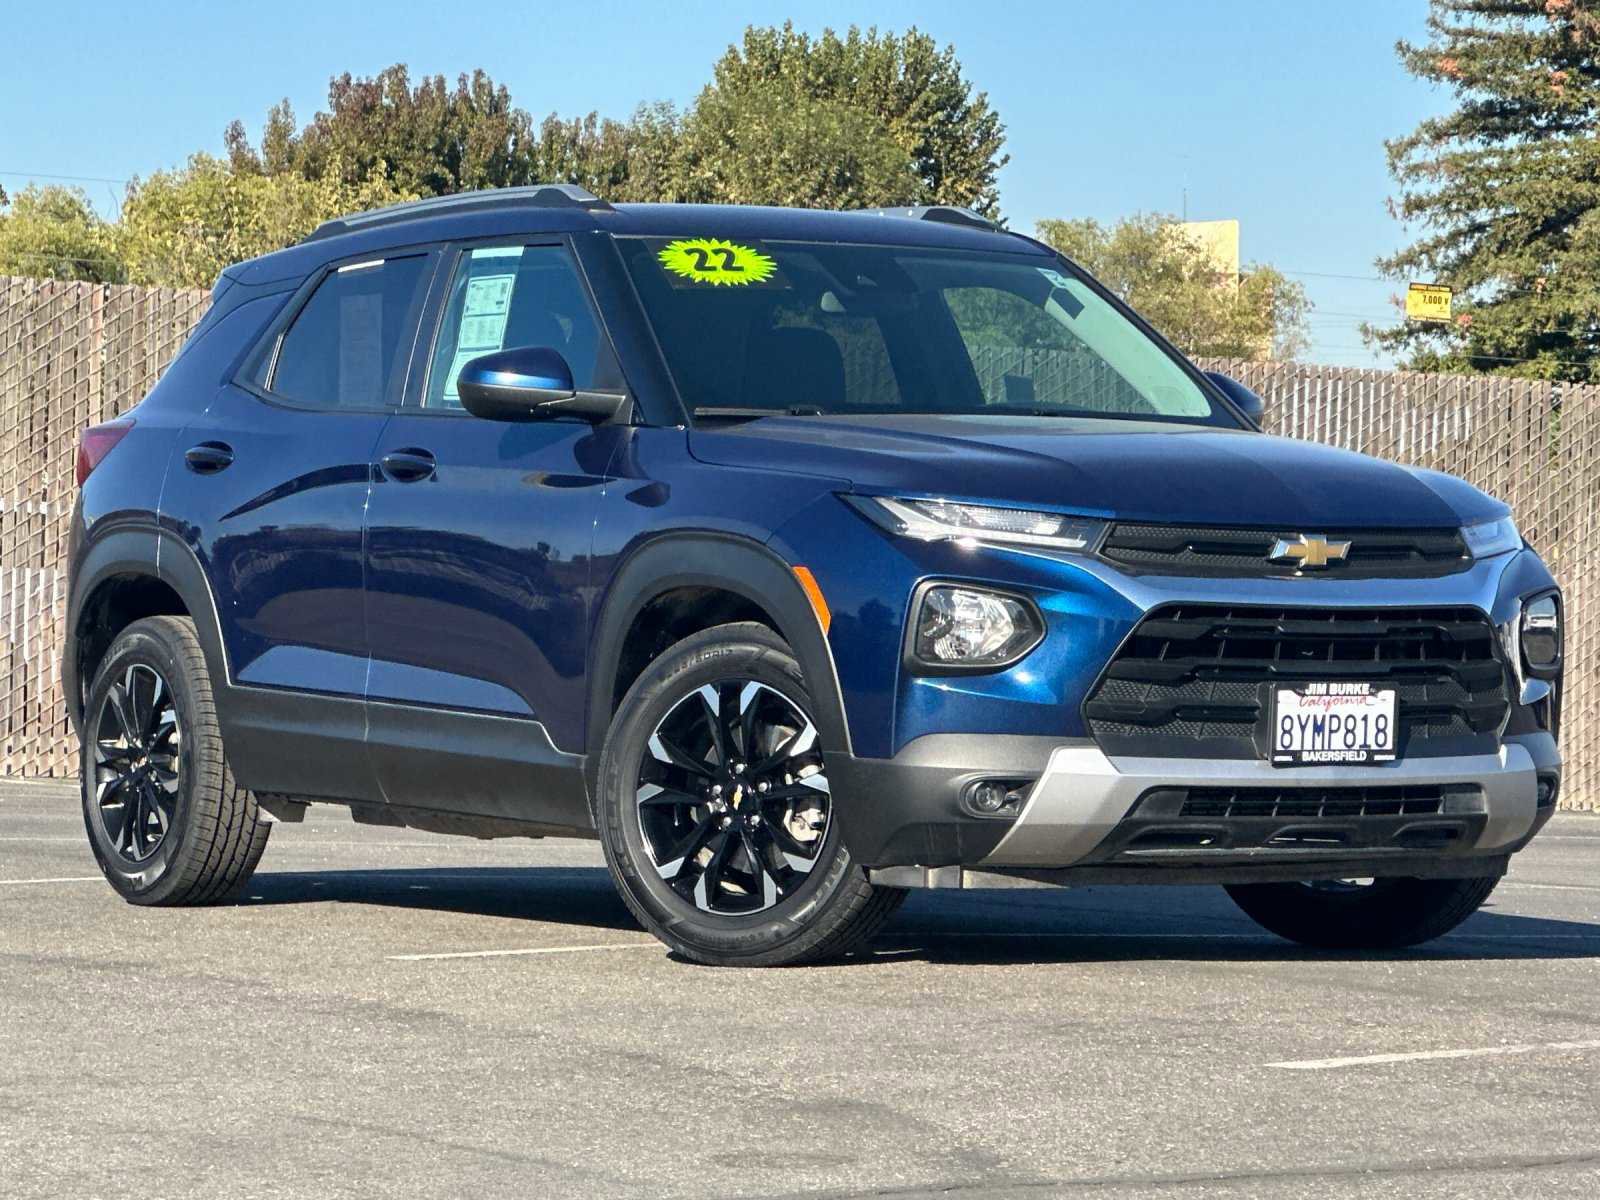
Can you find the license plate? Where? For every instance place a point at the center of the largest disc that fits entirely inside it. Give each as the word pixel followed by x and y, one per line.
pixel 1332 724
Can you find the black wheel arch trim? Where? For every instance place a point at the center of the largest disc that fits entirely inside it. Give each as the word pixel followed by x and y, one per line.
pixel 138 550
pixel 731 563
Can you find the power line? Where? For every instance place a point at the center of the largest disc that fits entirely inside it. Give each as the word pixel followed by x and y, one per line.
pixel 1499 358
pixel 1329 275
pixel 69 178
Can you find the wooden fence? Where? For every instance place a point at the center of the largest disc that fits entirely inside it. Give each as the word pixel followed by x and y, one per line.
pixel 74 354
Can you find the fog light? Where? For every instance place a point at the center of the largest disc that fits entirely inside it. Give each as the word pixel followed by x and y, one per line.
pixel 1546 794
pixel 963 628
pixel 996 797
pixel 1541 633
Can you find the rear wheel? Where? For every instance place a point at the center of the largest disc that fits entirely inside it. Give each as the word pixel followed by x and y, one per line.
pixel 716 814
pixel 1370 914
pixel 165 819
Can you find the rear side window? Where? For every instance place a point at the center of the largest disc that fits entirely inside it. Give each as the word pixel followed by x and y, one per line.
pixel 504 297
pixel 348 346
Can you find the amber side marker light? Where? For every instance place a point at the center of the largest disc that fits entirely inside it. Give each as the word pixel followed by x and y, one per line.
pixel 808 584
pixel 97 441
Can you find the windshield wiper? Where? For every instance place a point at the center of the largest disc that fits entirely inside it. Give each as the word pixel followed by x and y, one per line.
pixel 1022 410
pixel 719 413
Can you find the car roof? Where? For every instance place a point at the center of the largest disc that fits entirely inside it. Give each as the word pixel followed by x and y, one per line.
pixel 562 209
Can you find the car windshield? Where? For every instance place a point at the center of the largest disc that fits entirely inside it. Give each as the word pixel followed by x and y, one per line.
pixel 823 328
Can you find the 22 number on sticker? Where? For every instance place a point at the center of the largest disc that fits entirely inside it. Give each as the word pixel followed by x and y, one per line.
pixel 728 260
pixel 716 262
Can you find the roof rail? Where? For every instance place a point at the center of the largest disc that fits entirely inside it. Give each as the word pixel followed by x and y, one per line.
pixel 538 195
pixel 945 214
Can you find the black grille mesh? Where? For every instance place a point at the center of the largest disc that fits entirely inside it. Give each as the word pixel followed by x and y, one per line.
pixel 1313 803
pixel 1203 550
pixel 1195 680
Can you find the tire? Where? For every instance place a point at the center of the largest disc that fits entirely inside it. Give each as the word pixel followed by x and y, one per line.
pixel 806 901
pixel 167 823
pixel 1385 914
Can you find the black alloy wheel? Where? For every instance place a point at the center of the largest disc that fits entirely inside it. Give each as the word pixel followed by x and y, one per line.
pixel 137 760
pixel 732 796
pixel 716 814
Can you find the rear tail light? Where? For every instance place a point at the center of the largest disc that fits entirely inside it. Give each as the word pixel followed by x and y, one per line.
pixel 96 442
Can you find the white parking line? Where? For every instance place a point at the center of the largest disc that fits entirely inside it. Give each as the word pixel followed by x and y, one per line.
pixel 1369 1060
pixel 522 952
pixel 902 935
pixel 288 843
pixel 1554 887
pixel 61 879
pixel 1115 935
pixel 1523 937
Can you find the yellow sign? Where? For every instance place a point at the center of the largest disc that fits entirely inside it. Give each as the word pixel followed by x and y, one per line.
pixel 717 262
pixel 1428 302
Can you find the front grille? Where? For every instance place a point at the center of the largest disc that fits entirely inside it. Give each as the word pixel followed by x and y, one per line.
pixel 1311 803
pixel 1195 680
pixel 1200 550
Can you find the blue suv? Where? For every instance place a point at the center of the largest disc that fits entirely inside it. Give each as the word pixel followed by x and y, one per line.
pixel 801 558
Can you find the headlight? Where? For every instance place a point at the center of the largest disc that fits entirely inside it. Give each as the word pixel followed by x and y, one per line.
pixel 1489 538
pixel 937 520
pixel 1541 633
pixel 960 628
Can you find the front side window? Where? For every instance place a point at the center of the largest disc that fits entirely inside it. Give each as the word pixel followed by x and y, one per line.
pixel 511 296
pixel 349 345
pixel 838 328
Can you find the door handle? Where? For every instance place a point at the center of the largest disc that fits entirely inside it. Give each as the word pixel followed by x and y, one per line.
pixel 208 457
pixel 408 465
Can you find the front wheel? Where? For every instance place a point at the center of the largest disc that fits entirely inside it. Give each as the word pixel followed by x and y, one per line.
pixel 716 814
pixel 1372 914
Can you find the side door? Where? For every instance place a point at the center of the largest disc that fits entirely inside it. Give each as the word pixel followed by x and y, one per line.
pixel 478 543
pixel 269 490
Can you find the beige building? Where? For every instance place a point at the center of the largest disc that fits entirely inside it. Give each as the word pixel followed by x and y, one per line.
pixel 1220 240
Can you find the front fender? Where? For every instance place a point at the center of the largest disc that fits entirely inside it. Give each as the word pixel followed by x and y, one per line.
pixel 715 560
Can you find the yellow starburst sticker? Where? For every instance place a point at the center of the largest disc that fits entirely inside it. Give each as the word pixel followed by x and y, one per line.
pixel 716 262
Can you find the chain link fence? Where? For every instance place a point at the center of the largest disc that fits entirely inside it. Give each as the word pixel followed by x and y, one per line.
pixel 75 354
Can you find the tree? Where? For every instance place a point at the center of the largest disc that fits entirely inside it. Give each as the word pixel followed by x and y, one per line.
pixel 181 228
pixel 1506 188
pixel 620 161
pixel 860 120
pixel 428 139
pixel 431 139
pixel 902 82
pixel 766 146
pixel 1148 262
pixel 54 233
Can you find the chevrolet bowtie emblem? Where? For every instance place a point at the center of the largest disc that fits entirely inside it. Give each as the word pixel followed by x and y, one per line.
pixel 1308 551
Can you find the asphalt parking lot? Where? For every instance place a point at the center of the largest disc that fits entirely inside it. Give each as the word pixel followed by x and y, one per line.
pixel 390 1013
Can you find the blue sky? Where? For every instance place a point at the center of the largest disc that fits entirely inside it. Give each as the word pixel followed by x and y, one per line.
pixel 1273 112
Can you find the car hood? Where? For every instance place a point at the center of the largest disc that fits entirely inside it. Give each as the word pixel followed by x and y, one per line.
pixel 1136 470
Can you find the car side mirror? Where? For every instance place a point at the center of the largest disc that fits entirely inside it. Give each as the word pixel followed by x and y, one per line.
pixel 1245 400
pixel 530 383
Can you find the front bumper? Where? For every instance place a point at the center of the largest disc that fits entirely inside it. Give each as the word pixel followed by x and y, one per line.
pixel 1091 818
